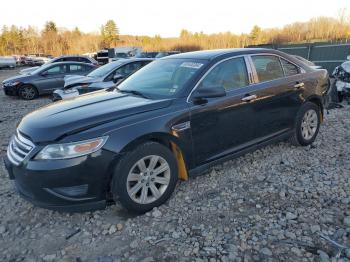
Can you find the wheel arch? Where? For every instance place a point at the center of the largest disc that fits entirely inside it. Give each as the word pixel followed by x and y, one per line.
pixel 169 141
pixel 29 84
pixel 318 101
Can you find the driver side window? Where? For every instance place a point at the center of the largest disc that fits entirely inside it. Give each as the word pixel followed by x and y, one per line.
pixel 56 70
pixel 229 74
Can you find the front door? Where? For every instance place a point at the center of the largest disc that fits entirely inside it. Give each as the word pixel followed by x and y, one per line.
pixel 51 79
pixel 221 126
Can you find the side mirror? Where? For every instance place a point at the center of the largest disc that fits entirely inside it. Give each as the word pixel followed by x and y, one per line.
pixel 204 92
pixel 117 78
pixel 348 57
pixel 44 73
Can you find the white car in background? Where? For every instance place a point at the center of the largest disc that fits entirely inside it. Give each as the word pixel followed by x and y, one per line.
pixel 7 62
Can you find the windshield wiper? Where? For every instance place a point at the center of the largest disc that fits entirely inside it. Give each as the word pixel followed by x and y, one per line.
pixel 134 92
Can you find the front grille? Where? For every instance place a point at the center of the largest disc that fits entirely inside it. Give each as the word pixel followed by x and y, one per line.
pixel 19 148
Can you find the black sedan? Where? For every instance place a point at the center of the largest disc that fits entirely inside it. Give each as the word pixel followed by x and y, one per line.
pixel 104 77
pixel 44 80
pixel 171 119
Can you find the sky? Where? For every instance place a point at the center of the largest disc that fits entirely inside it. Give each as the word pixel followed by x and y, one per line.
pixel 167 18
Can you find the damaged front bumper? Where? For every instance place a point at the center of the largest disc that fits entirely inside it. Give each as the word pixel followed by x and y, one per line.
pixel 342 87
pixel 62 94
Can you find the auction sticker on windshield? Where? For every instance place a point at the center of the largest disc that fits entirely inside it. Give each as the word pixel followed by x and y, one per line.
pixel 191 65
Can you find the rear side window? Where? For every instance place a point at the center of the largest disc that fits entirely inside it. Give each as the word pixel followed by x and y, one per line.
pixel 88 68
pixel 229 74
pixel 267 67
pixel 76 68
pixel 289 68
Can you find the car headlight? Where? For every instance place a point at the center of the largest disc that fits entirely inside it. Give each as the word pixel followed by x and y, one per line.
pixel 71 150
pixel 12 83
pixel 70 90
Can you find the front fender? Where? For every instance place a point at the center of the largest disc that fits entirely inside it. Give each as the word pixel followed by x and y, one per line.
pixel 158 128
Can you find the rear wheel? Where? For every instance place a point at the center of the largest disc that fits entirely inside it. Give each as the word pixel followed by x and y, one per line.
pixel 28 92
pixel 145 177
pixel 307 124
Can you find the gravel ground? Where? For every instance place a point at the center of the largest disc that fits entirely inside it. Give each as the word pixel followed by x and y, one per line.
pixel 270 205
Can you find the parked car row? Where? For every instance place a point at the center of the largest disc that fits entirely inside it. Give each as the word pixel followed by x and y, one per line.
pixel 105 56
pixel 171 119
pixel 72 58
pixel 18 60
pixel 44 79
pixel 104 77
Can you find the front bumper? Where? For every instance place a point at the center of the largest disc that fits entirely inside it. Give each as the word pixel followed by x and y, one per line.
pixel 71 185
pixel 342 86
pixel 62 94
pixel 10 90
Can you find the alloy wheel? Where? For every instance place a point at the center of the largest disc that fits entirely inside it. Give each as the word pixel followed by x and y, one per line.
pixel 148 179
pixel 309 124
pixel 27 92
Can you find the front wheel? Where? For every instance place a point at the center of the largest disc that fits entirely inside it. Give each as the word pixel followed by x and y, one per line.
pixel 307 124
pixel 27 92
pixel 145 177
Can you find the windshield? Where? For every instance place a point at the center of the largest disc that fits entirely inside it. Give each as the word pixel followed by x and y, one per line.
pixel 104 70
pixel 162 78
pixel 40 69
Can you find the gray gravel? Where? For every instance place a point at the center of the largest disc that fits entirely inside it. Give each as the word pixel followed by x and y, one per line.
pixel 269 205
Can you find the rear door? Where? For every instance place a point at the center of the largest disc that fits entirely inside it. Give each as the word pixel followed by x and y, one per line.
pixel 51 79
pixel 277 89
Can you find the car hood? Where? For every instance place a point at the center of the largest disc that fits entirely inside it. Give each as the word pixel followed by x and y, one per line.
pixel 51 122
pixel 17 78
pixel 28 70
pixel 71 81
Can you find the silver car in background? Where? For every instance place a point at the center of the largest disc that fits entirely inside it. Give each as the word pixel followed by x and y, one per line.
pixel 7 62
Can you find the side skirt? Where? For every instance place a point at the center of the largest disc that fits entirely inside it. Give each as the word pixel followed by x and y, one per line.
pixel 201 169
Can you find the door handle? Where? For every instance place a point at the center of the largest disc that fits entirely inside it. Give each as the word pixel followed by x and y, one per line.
pixel 299 85
pixel 249 98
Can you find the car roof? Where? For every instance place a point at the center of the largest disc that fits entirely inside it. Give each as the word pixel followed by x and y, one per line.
pixel 62 56
pixel 129 60
pixel 215 53
pixel 71 62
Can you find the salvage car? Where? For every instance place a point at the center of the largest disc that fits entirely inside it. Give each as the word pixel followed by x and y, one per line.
pixel 107 76
pixel 341 86
pixel 172 119
pixel 64 58
pixel 43 80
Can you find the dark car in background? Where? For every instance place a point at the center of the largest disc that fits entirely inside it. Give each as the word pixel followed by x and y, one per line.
pixel 172 119
pixel 64 58
pixel 147 55
pixel 158 54
pixel 106 76
pixel 44 80
pixel 166 53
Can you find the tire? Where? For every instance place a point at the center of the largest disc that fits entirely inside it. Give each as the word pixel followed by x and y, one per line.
pixel 306 127
pixel 28 92
pixel 139 190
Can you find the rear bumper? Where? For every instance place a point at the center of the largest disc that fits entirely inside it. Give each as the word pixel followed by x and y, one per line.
pixel 72 185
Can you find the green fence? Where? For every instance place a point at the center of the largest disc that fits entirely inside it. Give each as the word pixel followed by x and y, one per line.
pixel 327 55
